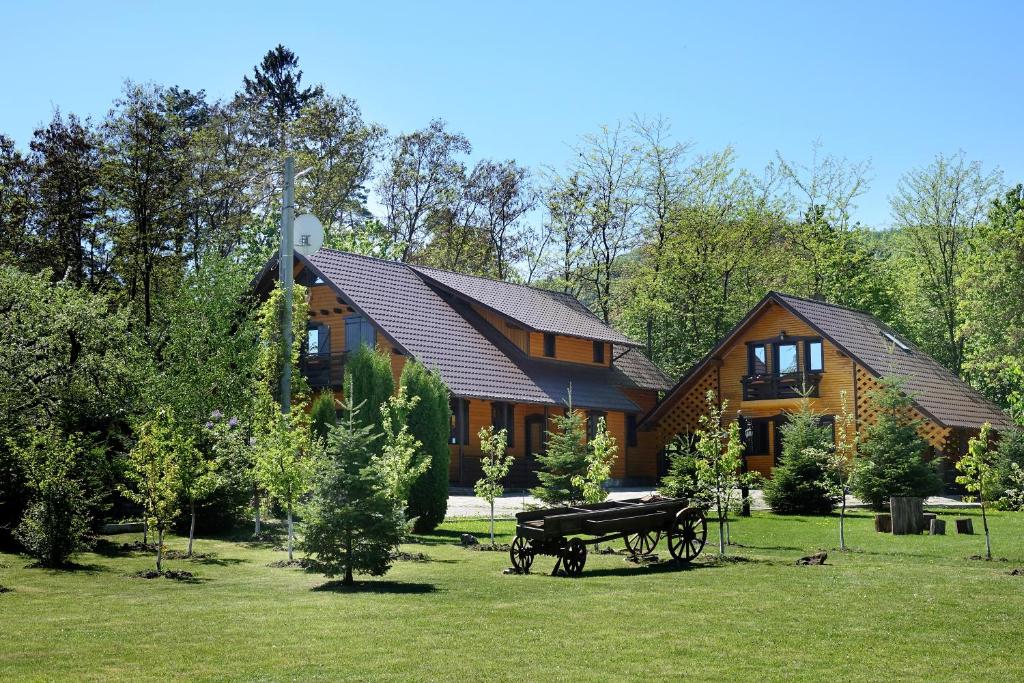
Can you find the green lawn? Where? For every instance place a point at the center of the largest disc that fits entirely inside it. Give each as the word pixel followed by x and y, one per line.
pixel 897 608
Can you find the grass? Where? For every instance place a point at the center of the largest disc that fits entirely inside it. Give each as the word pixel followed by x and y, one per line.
pixel 895 608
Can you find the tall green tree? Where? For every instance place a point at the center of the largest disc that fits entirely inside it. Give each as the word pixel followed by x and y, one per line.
pixel 275 91
pixel 429 423
pixel 937 210
pixel 992 307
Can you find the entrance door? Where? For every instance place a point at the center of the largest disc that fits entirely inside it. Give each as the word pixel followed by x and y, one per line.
pixel 535 437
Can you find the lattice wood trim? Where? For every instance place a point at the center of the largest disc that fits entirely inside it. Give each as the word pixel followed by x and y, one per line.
pixel 684 416
pixel 936 435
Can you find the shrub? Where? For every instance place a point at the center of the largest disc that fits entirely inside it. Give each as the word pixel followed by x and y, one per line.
pixel 1010 470
pixel 801 483
pixel 429 423
pixel 323 413
pixel 681 479
pixel 55 524
pixel 891 458
pixel 368 383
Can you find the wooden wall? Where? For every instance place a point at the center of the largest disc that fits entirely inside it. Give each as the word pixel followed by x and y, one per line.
pixel 514 333
pixel 570 349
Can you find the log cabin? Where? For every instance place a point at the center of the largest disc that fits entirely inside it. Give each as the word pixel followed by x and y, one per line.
pixel 507 352
pixel 787 346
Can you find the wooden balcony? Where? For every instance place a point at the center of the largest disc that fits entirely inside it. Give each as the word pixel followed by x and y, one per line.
pixel 785 385
pixel 323 370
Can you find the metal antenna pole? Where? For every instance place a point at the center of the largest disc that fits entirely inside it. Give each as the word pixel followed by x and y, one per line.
pixel 287 261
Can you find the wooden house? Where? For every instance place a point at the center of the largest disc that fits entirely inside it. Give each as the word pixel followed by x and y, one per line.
pixel 787 345
pixel 508 354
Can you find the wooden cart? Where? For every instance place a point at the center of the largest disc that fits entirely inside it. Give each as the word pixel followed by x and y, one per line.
pixel 640 522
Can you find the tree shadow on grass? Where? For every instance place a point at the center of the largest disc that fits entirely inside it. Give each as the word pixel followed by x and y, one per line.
pixel 439 537
pixel 382 587
pixel 108 548
pixel 768 547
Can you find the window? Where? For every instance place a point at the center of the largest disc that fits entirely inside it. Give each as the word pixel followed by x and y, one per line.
pixel 459 431
pixel 814 361
pixel 549 345
pixel 318 338
pixel 358 331
pixel 592 418
pixel 503 417
pixel 896 342
pixel 631 435
pixel 785 358
pixel 598 352
pixel 756 359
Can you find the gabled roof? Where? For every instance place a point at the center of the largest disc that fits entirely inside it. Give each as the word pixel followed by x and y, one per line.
pixel 936 391
pixel 473 358
pixel 535 309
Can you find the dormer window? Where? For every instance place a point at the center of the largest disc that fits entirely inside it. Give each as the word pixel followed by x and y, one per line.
pixel 549 345
pixel 896 342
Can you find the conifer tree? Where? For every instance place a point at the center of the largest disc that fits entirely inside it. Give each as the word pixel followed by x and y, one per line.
pixel 428 422
pixel 566 457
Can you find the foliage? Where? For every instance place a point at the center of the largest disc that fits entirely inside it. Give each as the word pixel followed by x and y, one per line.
pixel 55 524
pixel 370 383
pixel 979 475
pixel 351 523
pixel 272 355
pixel 324 414
pixel 719 452
pixel 226 443
pixel 891 457
pixel 197 478
pixel 992 306
pixel 153 473
pixel 285 454
pixel 1010 485
pixel 843 457
pixel 601 451
pixel 566 457
pixel 801 483
pixel 400 461
pixel 681 479
pixel 495 462
pixel 429 423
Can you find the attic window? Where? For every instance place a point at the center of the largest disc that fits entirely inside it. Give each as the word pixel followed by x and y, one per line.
pixel 896 342
pixel 598 352
pixel 549 345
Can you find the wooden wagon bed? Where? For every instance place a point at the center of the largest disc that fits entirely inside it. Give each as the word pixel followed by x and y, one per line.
pixel 640 522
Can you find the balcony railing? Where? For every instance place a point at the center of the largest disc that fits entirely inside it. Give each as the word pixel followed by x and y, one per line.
pixel 323 370
pixel 785 385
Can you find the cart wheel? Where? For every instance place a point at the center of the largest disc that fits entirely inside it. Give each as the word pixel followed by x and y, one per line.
pixel 642 543
pixel 521 554
pixel 574 557
pixel 688 534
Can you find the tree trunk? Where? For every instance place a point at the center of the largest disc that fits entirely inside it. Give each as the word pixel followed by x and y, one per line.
pixel 256 506
pixel 492 523
pixel 348 561
pixel 721 531
pixel 159 549
pixel 191 528
pixel 842 522
pixel 289 532
pixel 984 524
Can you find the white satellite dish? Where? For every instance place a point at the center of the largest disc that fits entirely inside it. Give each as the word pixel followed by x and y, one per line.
pixel 308 233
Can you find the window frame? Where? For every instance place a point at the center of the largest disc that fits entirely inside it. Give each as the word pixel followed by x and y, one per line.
pixel 503 417
pixel 777 357
pixel 807 355
pixel 458 433
pixel 599 352
pixel 752 354
pixel 592 417
pixel 550 345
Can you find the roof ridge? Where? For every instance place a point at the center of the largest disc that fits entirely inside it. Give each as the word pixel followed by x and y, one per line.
pixel 417 266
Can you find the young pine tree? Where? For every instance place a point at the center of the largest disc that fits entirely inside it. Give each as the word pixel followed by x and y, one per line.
pixel 352 523
pixel 802 484
pixel 891 456
pixel 566 457
pixel 495 463
pixel 428 422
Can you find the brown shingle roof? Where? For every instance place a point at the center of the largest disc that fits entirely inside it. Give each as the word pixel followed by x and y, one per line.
pixel 474 360
pixel 940 393
pixel 535 309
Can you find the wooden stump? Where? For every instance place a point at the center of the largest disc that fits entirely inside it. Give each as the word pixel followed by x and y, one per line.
pixel 883 523
pixel 937 527
pixel 907 515
pixel 964 525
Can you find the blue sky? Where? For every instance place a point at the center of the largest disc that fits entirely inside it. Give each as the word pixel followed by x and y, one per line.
pixel 893 82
